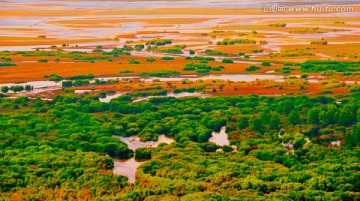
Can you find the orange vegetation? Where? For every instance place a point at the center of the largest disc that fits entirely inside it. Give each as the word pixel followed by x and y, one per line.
pixel 28 41
pixel 27 71
pixel 224 88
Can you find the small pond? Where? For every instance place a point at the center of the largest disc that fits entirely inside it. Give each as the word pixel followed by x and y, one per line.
pixel 128 167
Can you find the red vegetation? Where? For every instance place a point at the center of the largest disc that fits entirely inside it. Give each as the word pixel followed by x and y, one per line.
pixel 254 147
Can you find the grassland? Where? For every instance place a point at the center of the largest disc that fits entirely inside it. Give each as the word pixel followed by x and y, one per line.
pixel 283 44
pixel 115 72
pixel 31 69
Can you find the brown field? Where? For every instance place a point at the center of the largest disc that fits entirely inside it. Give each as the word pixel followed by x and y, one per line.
pixel 262 88
pixel 27 71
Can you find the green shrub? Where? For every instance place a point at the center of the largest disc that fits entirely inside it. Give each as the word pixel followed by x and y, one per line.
pixel 143 154
pixel 326 92
pixel 160 73
pixel 67 84
pixel 304 76
pixel 278 25
pixel 227 61
pixel 29 88
pixel 126 71
pixel 266 63
pixel 150 60
pixel 321 66
pixel 81 82
pixel 6 64
pixel 159 42
pixel 236 41
pixel 81 77
pixel 17 88
pixel 202 71
pixel 197 58
pixel 133 61
pixel 139 47
pixel 167 58
pixel 214 53
pixel 252 68
pixel 4 89
pixel 188 68
pixel 216 69
pixel 43 60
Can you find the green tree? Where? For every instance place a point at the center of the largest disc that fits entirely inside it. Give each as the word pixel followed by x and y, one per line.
pixel 345 117
pixel 29 87
pixel 352 139
pixel 243 122
pixel 313 116
pixel 294 117
pixel 17 88
pixel 327 115
pixel 143 154
pixel 275 122
pixel 257 125
pixel 4 89
pixel 299 140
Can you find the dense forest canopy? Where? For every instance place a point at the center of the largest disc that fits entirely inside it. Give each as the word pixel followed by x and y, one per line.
pixel 64 149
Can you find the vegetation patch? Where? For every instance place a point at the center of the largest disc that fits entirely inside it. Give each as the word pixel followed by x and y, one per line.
pixel 236 41
pixel 252 68
pixel 160 73
pixel 338 66
pixel 159 42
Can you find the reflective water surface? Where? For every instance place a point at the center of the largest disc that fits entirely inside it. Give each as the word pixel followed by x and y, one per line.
pixel 128 167
pixel 220 138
